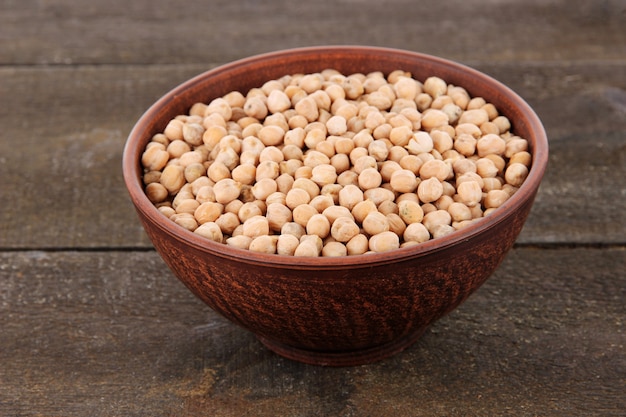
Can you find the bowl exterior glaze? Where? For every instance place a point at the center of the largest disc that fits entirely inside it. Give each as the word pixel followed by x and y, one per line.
pixel 336 311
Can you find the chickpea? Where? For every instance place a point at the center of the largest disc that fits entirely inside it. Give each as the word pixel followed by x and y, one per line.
pixel 335 249
pixel 495 198
pixel 421 142
pixel 173 178
pixel 207 212
pixel 470 193
pixel 185 220
pixel 515 174
pixel 343 229
pixel 210 231
pixel 302 213
pixel 416 232
pixel 324 174
pixel 430 190
pixel 277 215
pixel 287 244
pixel 264 244
pixel 226 190
pixel 375 223
pixel 239 241
pixel 156 192
pixel 384 241
pixel 228 222
pixel 436 218
pixel 358 245
pixel 332 213
pixel 350 196
pixel 369 178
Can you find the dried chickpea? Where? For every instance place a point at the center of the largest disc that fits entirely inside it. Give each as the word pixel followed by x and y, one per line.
pixel 332 213
pixel 430 190
pixel 228 222
pixel 239 241
pixel 369 178
pixel 302 213
pixel 334 249
pixel 185 220
pixel 156 192
pixel 416 232
pixel 375 223
pixel 358 245
pixel 384 241
pixel 515 174
pixel 277 215
pixel 344 228
pixel 436 218
pixel 210 231
pixel 264 244
pixel 495 198
pixel 470 192
pixel 287 244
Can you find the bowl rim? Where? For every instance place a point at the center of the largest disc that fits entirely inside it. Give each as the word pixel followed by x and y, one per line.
pixel 131 168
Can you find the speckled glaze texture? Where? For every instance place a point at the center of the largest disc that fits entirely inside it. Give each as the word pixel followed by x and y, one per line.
pixel 336 311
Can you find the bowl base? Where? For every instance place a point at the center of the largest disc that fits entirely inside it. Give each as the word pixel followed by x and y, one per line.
pixel 343 358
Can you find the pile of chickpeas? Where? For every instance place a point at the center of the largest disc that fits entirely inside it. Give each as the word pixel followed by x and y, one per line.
pixel 327 164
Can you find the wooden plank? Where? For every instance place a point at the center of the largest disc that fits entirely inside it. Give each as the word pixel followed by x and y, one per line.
pixel 64 132
pixel 114 333
pixel 115 31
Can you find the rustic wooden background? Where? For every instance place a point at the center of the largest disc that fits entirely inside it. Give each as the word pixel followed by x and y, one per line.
pixel 93 324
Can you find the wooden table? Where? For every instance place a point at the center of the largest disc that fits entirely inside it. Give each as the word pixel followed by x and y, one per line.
pixel 92 323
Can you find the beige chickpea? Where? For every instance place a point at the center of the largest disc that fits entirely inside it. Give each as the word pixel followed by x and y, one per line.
pixel 459 212
pixel 433 119
pixel 303 172
pixel 465 144
pixel 276 197
pixel 307 107
pixel 378 150
pixel 248 210
pixel 185 220
pixel 490 144
pixel 193 133
pixel 239 241
pixel 375 223
pixel 313 158
pixel 332 213
pixel 396 224
pixel 522 157
pixel 403 181
pixel 436 218
pixel 174 130
pixel 277 215
pixel 151 176
pixel 486 168
pixel 435 87
pixel 421 142
pixel 416 232
pixel 244 174
pixel 495 198
pixel 264 244
pixel 263 188
pixel 278 101
pixel 343 229
pixel 515 174
pixel 210 231
pixel 228 222
pixel 177 148
pixel 293 228
pixel 155 158
pixel 256 226
pixel 321 202
pixel 503 123
pixel 167 211
pixel 296 197
pixel 379 194
pixel 156 192
pixel 334 249
pixel 350 196
pixel 442 230
pixel 474 116
pixel 369 178
pixel 194 171
pixel 287 244
pixel 470 192
pixel 271 135
pixel 173 178
pixel 302 214
pixel 384 241
pixel 341 163
pixel 308 248
pixel 410 211
pixel 226 190
pixel 208 212
pixel 358 245
pixel 362 209
pixel 324 174
pixel 435 168
pixel 308 185
pixel 468 129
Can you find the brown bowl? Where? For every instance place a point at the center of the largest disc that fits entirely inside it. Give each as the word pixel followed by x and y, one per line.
pixel 336 311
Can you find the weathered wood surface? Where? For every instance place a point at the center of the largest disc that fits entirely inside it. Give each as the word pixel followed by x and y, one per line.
pixel 114 334
pixel 91 322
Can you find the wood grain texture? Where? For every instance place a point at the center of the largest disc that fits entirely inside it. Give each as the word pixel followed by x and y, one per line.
pixel 72 32
pixel 130 340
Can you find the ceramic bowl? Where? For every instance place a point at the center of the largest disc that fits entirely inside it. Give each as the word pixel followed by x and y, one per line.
pixel 336 311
